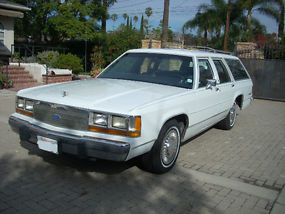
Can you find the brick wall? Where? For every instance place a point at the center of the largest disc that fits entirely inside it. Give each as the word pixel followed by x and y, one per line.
pixel 153 44
pixel 57 78
pixel 249 50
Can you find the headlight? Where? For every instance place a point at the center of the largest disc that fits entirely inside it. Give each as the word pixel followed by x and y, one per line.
pixel 98 119
pixel 119 122
pixel 20 103
pixel 29 105
pixel 25 107
pixel 116 125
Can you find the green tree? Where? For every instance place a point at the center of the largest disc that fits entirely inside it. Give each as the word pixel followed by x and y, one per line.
pixel 114 18
pixel 72 22
pixel 148 12
pixel 142 26
pixel 249 5
pixel 35 24
pixel 277 13
pixel 136 19
pixel 125 16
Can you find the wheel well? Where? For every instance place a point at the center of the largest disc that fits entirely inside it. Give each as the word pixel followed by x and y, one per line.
pixel 239 100
pixel 181 118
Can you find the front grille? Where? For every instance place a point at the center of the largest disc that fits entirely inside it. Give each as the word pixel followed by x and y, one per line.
pixel 61 116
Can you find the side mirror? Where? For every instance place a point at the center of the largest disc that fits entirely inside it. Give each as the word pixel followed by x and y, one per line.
pixel 211 83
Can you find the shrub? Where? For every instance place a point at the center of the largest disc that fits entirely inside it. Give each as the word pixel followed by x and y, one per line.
pixel 48 57
pixel 69 61
pixel 97 58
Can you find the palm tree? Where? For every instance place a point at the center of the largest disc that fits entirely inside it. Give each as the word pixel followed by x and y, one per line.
pixel 227 25
pixel 136 19
pixel 275 13
pixel 148 12
pixel 210 17
pixel 165 23
pixel 249 5
pixel 114 18
pixel 125 16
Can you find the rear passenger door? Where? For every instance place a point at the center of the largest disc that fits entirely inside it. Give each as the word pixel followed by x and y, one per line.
pixel 207 99
pixel 224 85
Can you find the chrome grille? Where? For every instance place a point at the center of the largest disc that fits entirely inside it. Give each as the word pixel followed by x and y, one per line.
pixel 61 116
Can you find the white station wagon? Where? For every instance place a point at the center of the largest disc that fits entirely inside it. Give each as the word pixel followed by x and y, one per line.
pixel 144 104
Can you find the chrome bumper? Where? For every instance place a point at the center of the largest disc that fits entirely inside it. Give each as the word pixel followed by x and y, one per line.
pixel 71 144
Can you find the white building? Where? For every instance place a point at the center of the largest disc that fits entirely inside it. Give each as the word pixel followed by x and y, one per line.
pixel 8 12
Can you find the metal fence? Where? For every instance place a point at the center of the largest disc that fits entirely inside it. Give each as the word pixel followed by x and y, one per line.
pixel 268 76
pixel 28 53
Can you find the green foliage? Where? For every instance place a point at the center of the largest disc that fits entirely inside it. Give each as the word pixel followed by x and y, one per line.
pixel 61 20
pixel 2 78
pixel 8 82
pixel 120 41
pixel 48 57
pixel 97 58
pixel 157 32
pixel 69 61
pixel 55 60
pixel 142 26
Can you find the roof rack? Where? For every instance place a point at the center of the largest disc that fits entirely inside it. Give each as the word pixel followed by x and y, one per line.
pixel 208 49
pixel 201 48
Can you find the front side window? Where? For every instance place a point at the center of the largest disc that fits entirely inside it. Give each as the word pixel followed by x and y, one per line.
pixel 205 71
pixel 1 34
pixel 222 71
pixel 163 69
pixel 237 69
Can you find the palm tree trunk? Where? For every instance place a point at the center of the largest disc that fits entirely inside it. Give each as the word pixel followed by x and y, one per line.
pixel 165 23
pixel 103 26
pixel 281 21
pixel 205 37
pixel 227 26
pixel 249 14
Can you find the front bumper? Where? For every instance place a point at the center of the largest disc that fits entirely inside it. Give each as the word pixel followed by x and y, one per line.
pixel 76 145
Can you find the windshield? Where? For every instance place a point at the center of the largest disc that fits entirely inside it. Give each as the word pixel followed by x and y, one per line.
pixel 154 68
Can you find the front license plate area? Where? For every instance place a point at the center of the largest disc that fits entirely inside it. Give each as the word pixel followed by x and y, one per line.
pixel 47 144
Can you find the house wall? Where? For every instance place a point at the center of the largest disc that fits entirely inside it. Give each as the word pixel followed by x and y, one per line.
pixel 8 23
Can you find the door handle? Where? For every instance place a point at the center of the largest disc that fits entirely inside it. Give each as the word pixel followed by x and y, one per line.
pixel 218 89
pixel 233 85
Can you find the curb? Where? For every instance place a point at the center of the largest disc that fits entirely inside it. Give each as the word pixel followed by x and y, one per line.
pixel 279 205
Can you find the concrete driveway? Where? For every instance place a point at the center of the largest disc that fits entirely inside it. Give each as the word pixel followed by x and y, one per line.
pixel 237 171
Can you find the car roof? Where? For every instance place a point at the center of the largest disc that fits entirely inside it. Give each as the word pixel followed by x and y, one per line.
pixel 182 52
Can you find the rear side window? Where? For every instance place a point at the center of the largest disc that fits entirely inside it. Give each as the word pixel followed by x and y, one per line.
pixel 222 71
pixel 237 69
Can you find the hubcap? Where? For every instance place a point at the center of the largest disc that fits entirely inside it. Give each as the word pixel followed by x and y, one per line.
pixel 170 146
pixel 233 114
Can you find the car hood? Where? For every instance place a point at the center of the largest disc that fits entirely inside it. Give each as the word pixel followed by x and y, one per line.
pixel 109 95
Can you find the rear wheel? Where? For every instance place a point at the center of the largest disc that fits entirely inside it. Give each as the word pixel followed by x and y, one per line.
pixel 230 120
pixel 165 151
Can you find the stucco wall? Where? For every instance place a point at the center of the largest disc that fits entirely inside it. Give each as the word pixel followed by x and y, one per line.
pixel 8 24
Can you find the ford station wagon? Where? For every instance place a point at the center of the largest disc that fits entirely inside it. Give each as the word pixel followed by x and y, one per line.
pixel 144 104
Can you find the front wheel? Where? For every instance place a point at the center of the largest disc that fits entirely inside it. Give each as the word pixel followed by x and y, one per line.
pixel 165 151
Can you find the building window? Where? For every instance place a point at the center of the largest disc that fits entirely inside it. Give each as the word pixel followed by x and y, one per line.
pixel 1 34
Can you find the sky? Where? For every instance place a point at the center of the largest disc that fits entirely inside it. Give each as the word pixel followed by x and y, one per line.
pixel 180 12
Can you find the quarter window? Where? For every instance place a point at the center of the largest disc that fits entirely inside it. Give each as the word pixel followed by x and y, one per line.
pixel 1 34
pixel 237 69
pixel 205 72
pixel 222 71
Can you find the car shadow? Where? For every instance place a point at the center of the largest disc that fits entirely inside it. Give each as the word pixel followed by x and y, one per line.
pixel 80 164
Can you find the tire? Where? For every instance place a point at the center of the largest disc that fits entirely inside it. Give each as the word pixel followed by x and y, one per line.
pixel 229 122
pixel 163 154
